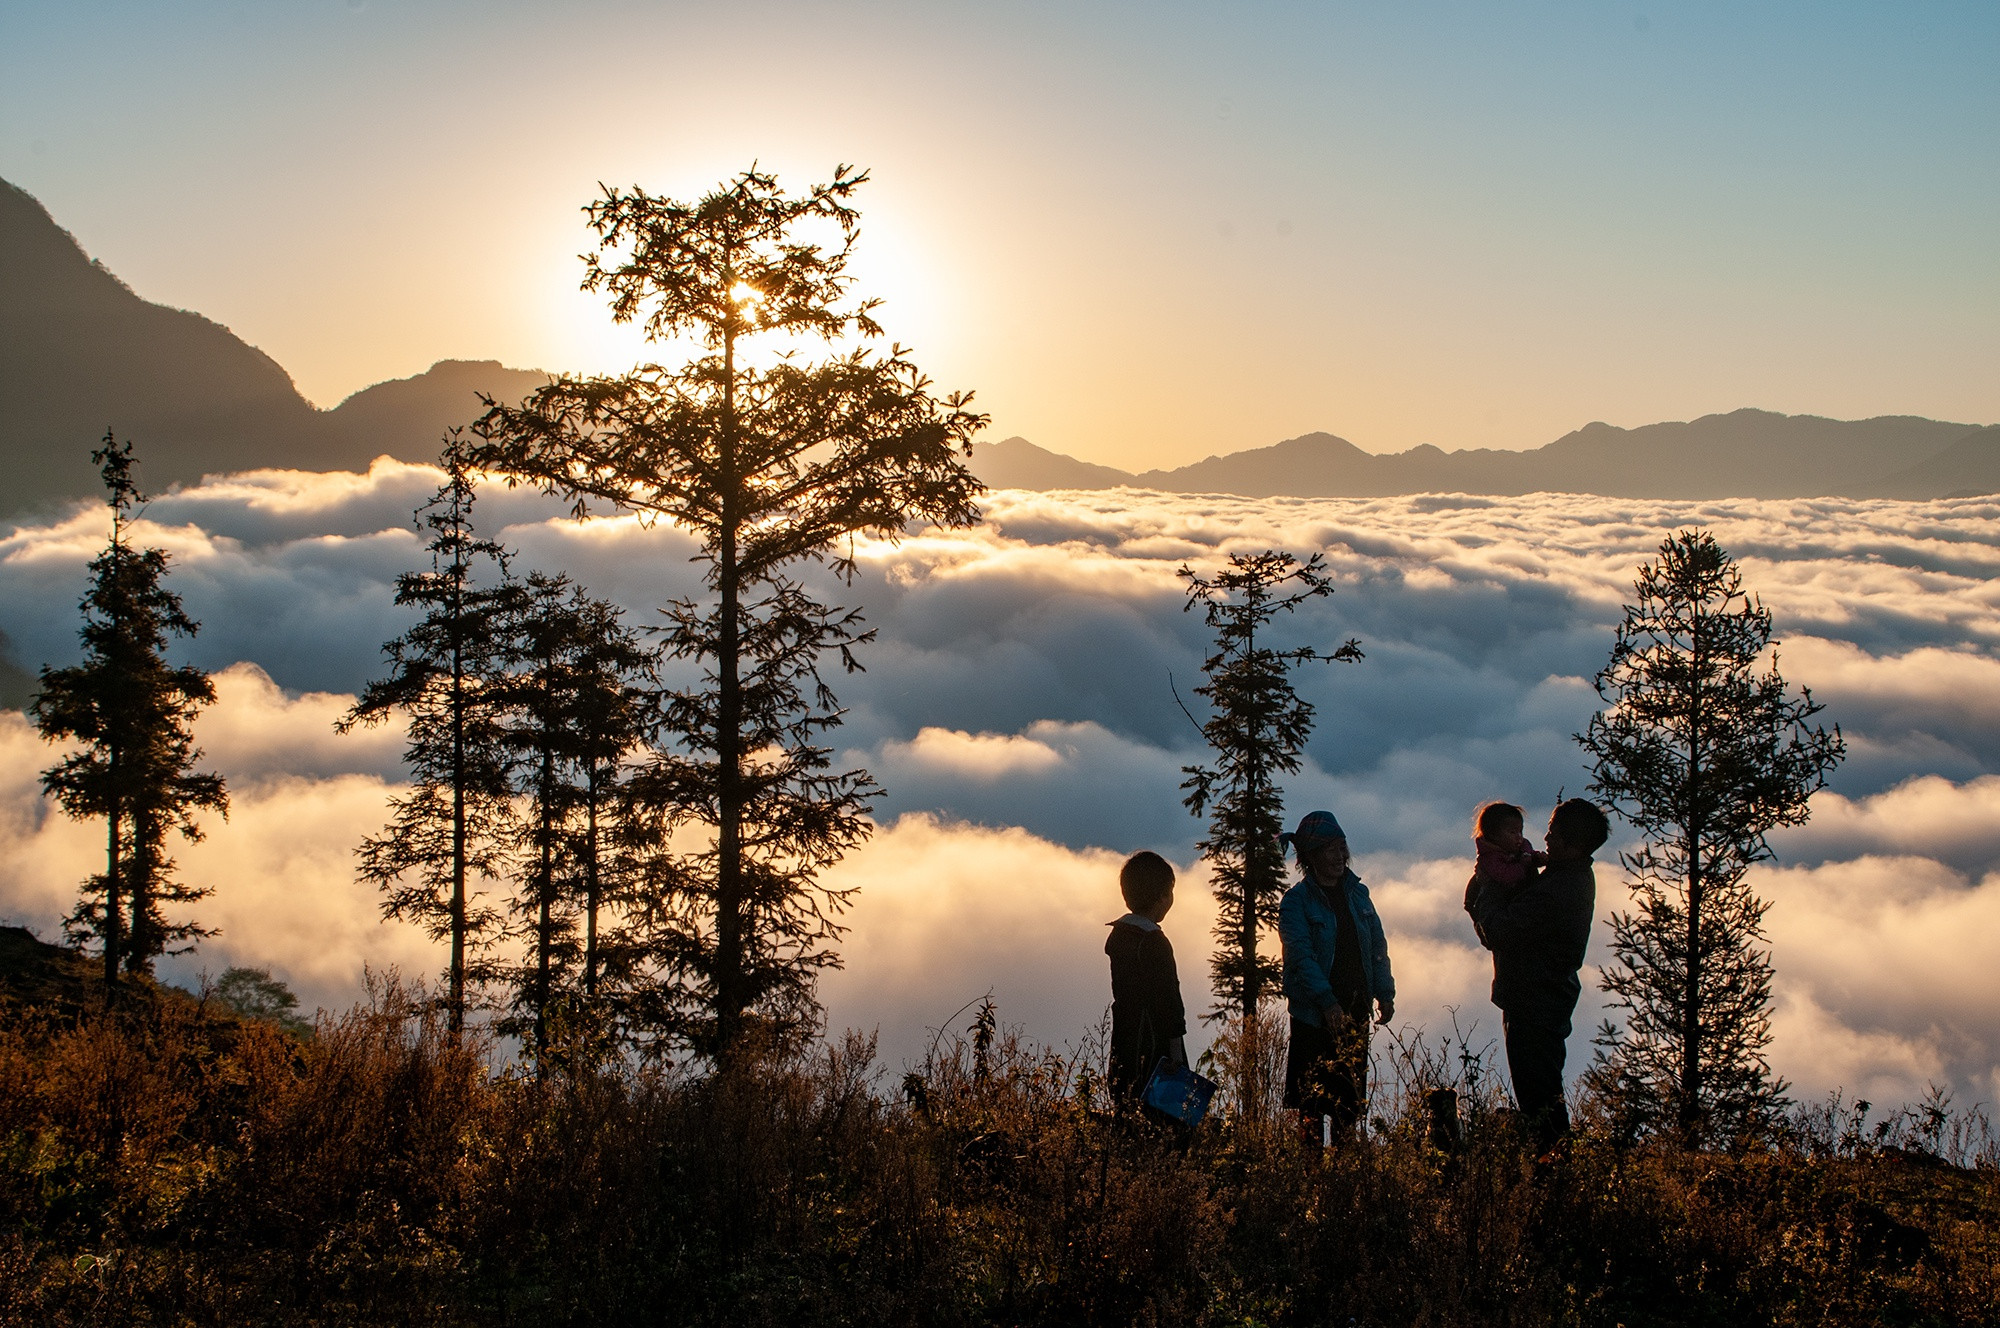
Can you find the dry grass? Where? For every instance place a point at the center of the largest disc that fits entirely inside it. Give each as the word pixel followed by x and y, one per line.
pixel 163 1168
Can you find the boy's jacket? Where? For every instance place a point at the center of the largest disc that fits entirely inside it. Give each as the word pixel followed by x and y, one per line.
pixel 1307 927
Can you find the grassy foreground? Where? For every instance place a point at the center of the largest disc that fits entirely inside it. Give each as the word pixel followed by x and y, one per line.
pixel 166 1166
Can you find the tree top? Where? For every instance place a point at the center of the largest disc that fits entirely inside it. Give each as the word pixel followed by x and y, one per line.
pixel 735 261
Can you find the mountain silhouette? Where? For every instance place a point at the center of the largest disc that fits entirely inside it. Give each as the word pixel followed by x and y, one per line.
pixel 1016 463
pixel 80 352
pixel 1744 454
pixel 1968 468
pixel 406 417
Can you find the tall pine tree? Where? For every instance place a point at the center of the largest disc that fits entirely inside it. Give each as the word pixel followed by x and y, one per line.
pixel 767 466
pixel 1257 731
pixel 133 715
pixel 446 676
pixel 574 707
pixel 614 685
pixel 1705 750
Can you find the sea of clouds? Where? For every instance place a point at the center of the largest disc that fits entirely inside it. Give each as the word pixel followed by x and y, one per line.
pixel 1019 712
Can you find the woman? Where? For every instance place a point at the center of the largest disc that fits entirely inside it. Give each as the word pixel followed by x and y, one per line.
pixel 1336 979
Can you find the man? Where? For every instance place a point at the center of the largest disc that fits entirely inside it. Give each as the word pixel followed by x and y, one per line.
pixel 1538 932
pixel 1336 978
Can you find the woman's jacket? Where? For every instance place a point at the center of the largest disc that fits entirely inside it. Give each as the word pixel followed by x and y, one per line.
pixel 1308 925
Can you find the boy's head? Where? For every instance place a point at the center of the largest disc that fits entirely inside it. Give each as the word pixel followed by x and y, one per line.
pixel 1499 821
pixel 1147 882
pixel 1577 828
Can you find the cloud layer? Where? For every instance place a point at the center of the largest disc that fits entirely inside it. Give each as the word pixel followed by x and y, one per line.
pixel 1018 708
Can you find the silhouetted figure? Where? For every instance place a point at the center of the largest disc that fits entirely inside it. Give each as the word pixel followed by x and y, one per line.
pixel 1538 931
pixel 1336 977
pixel 1504 858
pixel 1148 1021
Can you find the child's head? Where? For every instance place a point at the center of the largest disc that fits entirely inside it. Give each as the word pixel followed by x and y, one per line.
pixel 1579 828
pixel 1499 823
pixel 1147 882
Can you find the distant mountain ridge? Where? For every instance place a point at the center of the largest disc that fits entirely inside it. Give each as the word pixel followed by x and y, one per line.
pixel 1744 454
pixel 79 351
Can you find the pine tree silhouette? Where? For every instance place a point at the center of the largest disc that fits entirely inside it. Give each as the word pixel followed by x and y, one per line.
pixel 573 706
pixel 134 715
pixel 767 467
pixel 1257 733
pixel 1704 754
pixel 447 675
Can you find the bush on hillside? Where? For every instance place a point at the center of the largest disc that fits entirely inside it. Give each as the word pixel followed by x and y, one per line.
pixel 163 1167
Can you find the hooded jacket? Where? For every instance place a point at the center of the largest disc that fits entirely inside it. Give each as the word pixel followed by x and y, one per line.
pixel 1308 926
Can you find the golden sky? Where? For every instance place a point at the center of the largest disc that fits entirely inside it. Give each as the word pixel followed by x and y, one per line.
pixel 1141 234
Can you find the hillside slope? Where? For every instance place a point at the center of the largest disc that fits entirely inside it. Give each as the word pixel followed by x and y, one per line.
pixel 80 352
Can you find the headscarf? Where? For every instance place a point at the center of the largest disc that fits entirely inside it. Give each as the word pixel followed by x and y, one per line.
pixel 1315 828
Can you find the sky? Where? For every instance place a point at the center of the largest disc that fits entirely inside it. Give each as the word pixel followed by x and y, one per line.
pixel 1018 710
pixel 1142 234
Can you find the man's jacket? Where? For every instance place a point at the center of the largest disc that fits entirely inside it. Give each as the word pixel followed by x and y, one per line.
pixel 1308 925
pixel 1538 932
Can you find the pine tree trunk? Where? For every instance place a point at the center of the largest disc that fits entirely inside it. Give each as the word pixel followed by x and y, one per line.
pixel 457 1013
pixel 113 896
pixel 1691 1003
pixel 114 812
pixel 1690 1112
pixel 545 893
pixel 729 920
pixel 590 885
pixel 1247 934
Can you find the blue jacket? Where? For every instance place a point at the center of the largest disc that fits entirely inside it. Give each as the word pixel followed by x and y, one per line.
pixel 1307 925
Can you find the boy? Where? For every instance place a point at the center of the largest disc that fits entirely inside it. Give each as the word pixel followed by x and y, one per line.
pixel 1147 1019
pixel 1538 934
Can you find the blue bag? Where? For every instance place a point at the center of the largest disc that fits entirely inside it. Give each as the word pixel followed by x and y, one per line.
pixel 1178 1093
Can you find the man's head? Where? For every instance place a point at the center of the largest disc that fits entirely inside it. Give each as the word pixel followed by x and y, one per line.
pixel 1147 882
pixel 1577 829
pixel 1321 845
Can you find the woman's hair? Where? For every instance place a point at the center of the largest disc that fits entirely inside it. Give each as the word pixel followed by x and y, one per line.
pixel 1487 821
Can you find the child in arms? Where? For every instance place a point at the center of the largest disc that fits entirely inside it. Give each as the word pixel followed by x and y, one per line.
pixel 1505 859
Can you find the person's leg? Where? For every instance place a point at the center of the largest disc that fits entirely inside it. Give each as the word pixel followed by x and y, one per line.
pixel 1535 1053
pixel 1305 1077
pixel 1347 1077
